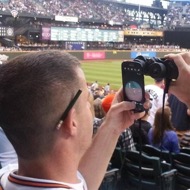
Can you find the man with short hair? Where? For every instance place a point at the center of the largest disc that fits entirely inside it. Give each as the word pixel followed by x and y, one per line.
pixel 46 115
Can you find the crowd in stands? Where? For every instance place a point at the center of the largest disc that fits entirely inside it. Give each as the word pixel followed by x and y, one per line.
pixel 175 128
pixel 83 9
pixel 156 47
pixel 178 14
pixel 96 46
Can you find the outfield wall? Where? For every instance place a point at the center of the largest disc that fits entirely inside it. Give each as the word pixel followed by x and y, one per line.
pixel 102 54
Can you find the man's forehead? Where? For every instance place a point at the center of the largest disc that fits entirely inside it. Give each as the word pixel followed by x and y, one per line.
pixel 82 79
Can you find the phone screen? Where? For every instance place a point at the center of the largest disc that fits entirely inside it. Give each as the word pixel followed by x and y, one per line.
pixel 133 82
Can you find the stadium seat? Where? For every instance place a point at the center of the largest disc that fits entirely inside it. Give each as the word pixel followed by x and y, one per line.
pixel 181 162
pixel 185 150
pixel 153 151
pixel 110 180
pixel 150 175
pixel 117 158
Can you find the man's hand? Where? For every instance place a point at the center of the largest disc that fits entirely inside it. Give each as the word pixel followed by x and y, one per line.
pixel 120 115
pixel 181 87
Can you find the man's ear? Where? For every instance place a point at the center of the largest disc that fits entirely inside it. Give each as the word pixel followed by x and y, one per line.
pixel 188 111
pixel 69 125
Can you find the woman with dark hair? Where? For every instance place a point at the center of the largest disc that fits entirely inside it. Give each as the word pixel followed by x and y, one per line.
pixel 162 135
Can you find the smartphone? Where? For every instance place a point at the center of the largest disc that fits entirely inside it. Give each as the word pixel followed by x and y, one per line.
pixel 133 83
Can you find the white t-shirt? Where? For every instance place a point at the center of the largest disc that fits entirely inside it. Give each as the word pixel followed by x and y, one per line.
pixel 107 88
pixel 156 93
pixel 7 152
pixel 94 86
pixel 11 181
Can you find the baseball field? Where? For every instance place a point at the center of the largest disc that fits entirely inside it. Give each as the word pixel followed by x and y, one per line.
pixel 106 71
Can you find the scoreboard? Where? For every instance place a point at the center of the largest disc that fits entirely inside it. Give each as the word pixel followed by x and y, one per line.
pixel 86 34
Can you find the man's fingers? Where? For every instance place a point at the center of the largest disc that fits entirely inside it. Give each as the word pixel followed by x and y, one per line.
pixel 186 57
pixel 178 60
pixel 123 106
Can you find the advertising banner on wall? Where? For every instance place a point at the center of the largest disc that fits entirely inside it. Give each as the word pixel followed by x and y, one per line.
pixel 75 45
pixel 94 55
pixel 134 54
pixel 46 33
pixel 66 18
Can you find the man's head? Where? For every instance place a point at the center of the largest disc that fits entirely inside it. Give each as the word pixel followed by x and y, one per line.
pixel 160 82
pixel 35 90
pixel 157 80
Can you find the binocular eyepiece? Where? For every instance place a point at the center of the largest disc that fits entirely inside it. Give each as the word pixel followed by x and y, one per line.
pixel 158 67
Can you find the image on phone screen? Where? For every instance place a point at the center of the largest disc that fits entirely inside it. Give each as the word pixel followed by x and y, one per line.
pixel 133 91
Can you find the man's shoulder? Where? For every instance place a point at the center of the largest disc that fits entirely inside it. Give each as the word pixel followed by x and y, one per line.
pixel 8 168
pixel 11 180
pixel 154 91
pixel 4 173
pixel 153 87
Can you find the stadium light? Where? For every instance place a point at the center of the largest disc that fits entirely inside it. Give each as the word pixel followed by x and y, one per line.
pixel 14 13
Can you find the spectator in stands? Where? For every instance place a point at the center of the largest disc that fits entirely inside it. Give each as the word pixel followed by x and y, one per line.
pixel 106 102
pixel 180 119
pixel 162 135
pixel 99 112
pixel 140 128
pixel 185 139
pixel 99 93
pixel 46 115
pixel 7 152
pixel 156 94
pixel 107 89
pixel 181 87
pixel 125 141
pixel 94 86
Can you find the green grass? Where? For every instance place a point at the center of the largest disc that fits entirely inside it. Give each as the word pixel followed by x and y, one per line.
pixel 106 71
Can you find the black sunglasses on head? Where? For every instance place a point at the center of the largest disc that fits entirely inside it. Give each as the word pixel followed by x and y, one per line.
pixel 71 104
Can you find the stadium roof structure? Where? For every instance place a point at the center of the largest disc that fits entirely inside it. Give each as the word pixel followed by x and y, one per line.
pixel 135 5
pixel 188 1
